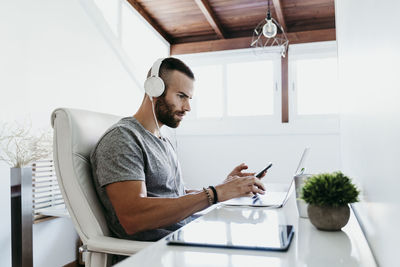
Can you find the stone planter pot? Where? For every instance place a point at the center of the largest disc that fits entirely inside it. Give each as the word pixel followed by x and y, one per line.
pixel 328 218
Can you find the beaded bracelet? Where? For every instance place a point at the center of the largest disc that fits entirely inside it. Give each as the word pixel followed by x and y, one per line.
pixel 210 201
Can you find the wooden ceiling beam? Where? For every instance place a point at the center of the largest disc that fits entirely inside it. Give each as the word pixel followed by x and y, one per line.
pixel 244 42
pixel 138 7
pixel 206 9
pixel 279 13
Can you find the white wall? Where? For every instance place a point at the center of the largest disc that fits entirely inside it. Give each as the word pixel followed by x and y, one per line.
pixel 69 63
pixel 368 42
pixel 206 160
pixel 11 70
pixel 53 55
pixel 54 242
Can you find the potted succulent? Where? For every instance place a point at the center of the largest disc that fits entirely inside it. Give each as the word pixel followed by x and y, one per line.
pixel 328 196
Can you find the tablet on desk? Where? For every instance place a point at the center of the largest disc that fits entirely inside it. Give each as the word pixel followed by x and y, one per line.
pixel 217 234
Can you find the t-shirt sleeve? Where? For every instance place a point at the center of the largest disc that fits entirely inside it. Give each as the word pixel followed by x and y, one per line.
pixel 118 158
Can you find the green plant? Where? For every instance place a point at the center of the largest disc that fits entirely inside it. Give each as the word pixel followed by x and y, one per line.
pixel 329 189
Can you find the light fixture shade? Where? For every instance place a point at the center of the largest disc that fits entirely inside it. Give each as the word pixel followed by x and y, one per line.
pixel 266 37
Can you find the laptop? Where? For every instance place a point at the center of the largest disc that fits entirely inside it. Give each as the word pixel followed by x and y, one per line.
pixel 271 199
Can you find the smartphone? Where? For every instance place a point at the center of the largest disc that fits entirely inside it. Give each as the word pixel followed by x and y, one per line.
pixel 269 165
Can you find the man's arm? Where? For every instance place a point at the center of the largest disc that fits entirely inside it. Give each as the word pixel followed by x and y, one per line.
pixel 137 212
pixel 191 191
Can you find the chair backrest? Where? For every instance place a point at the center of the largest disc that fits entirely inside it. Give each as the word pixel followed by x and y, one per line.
pixel 76 132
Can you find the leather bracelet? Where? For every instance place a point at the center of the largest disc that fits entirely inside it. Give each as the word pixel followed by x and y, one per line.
pixel 210 201
pixel 215 194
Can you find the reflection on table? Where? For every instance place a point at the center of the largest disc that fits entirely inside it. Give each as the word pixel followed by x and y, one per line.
pixel 310 247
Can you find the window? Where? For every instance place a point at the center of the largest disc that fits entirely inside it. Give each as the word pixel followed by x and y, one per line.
pixel 208 91
pixel 317 83
pixel 234 84
pixel 313 80
pixel 250 87
pixel 239 93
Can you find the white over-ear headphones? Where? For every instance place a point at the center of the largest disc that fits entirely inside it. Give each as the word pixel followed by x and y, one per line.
pixel 154 86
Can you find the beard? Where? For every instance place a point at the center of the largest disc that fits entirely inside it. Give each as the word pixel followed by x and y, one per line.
pixel 165 113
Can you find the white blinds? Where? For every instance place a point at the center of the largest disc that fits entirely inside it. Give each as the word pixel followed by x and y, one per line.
pixel 45 191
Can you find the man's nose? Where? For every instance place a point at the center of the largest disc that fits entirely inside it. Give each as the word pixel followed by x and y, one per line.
pixel 187 106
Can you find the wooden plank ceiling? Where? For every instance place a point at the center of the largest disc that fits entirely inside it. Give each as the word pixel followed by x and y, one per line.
pixel 192 26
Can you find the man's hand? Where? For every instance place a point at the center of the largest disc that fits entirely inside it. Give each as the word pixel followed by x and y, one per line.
pixel 238 171
pixel 236 186
pixel 239 184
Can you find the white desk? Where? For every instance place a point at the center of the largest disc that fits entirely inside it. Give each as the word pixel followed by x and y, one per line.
pixel 310 247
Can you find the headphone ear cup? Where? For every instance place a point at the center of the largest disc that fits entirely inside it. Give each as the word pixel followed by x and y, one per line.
pixel 154 86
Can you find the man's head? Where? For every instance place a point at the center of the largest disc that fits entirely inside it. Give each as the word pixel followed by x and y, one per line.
pixel 172 105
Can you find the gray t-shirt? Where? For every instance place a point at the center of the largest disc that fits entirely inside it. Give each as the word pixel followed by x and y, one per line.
pixel 129 152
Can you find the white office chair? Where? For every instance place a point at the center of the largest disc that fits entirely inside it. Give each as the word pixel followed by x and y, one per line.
pixel 76 132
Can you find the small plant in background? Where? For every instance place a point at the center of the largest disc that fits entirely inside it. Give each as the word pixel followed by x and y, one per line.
pixel 19 146
pixel 330 190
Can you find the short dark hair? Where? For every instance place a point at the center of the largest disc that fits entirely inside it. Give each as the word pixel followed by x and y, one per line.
pixel 169 64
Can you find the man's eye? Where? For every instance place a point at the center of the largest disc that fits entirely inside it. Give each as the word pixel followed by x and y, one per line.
pixel 181 96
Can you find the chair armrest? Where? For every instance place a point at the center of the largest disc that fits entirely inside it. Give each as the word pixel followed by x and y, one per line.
pixel 111 245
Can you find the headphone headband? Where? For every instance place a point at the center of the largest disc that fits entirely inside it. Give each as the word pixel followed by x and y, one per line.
pixel 155 69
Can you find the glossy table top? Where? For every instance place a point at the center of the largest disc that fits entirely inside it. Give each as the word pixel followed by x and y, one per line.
pixel 310 247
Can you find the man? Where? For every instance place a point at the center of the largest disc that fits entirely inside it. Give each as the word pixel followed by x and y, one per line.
pixel 136 171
